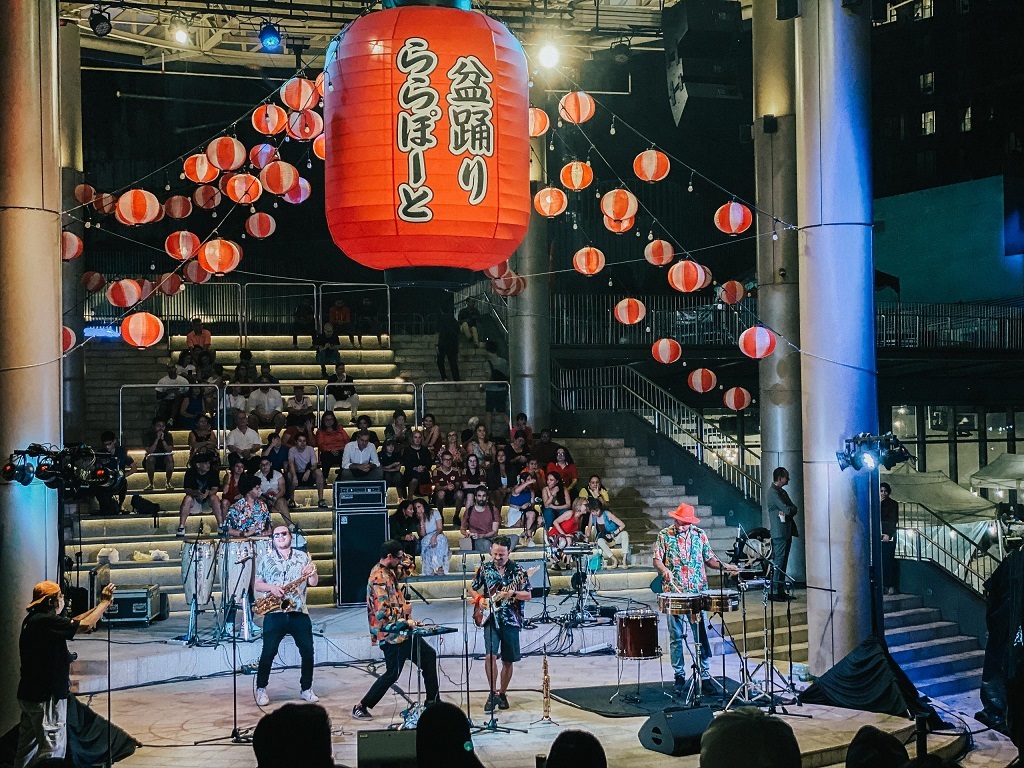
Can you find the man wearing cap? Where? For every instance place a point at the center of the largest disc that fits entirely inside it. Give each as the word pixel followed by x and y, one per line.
pixel 681 553
pixel 46 671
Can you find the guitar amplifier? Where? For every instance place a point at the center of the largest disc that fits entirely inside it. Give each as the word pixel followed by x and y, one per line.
pixel 134 604
pixel 360 494
pixel 357 539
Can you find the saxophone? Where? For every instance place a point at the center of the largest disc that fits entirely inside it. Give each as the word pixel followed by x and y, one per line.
pixel 545 688
pixel 273 603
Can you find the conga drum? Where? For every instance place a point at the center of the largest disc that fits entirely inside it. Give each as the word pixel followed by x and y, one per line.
pixel 198 570
pixel 636 632
pixel 681 604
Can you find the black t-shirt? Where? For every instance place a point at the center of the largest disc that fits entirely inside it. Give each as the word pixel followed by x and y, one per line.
pixel 45 659
pixel 890 517
pixel 448 331
pixel 198 482
pixel 415 457
pixel 342 389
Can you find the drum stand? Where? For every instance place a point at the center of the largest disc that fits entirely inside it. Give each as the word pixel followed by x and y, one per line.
pixel 580 615
pixel 248 631
pixel 191 637
pixel 635 698
pixel 695 692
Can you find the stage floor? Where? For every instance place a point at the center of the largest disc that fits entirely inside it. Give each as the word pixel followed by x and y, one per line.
pixel 161 707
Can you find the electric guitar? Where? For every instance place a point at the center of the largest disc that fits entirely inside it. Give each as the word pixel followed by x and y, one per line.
pixel 486 606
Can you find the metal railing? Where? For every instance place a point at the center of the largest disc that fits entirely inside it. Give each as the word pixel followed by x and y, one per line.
pixel 219 304
pixel 621 388
pixel 924 536
pixel 487 301
pixel 973 326
pixel 328 292
pixel 269 309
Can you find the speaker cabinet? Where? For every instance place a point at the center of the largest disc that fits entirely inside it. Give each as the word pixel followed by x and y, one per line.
pixel 675 731
pixel 357 540
pixel 386 749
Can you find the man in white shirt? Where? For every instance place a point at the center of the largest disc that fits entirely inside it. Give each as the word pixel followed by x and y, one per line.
pixel 359 460
pixel 244 444
pixel 266 406
pixel 299 407
pixel 170 391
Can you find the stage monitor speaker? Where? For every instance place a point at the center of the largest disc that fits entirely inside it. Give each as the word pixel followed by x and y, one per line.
pixel 357 540
pixel 539 581
pixel 386 749
pixel 701 27
pixel 676 731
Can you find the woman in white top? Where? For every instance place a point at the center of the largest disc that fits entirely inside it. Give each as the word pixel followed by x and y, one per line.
pixel 434 553
pixel 608 531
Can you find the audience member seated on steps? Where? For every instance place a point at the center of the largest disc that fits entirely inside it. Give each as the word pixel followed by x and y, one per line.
pixel 454 447
pixel 595 490
pixel 250 515
pixel 294 735
pixel 431 434
pixel 545 449
pixel 204 364
pixel 276 452
pixel 266 374
pixel 500 478
pixel 202 438
pixel 398 430
pixel 391 465
pixel 445 479
pixel 872 748
pixel 244 443
pixel 367 321
pixel 230 491
pixel 364 423
pixel 115 458
pixel 607 531
pixel 522 425
pixel 303 321
pixel 340 317
pixel 159 447
pixel 273 491
pixel 434 554
pixel 359 460
pixel 407 527
pixel 480 523
pixel 472 478
pixel 517 453
pixel 245 371
pixel 566 531
pixel 327 345
pixel 266 408
pixel 566 469
pixel 192 407
pixel 201 485
pixel 299 406
pixel 341 393
pixel 211 384
pixel 554 498
pixel 199 338
pixel 443 739
pixel 186 366
pixel 305 428
pixel 170 390
pixel 417 461
pixel 236 399
pixel 304 471
pixel 747 736
pixel 331 440
pixel 572 748
pixel 469 316
pixel 482 446
pixel 448 344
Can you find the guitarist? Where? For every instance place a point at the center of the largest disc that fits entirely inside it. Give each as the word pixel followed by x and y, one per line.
pixel 499 590
pixel 280 569
pixel 386 607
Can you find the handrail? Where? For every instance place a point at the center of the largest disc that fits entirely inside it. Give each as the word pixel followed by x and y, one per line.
pixel 977 584
pixel 296 284
pixel 481 292
pixel 324 312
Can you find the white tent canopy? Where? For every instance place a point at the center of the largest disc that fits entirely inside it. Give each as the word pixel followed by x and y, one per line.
pixel 1006 472
pixel 939 495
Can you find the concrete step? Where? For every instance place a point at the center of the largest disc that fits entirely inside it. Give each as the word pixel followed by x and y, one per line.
pixel 638 471
pixel 928 649
pixel 598 456
pixel 266 342
pixel 895 619
pixel 937 666
pixel 933 630
pixel 958 682
pixel 901 602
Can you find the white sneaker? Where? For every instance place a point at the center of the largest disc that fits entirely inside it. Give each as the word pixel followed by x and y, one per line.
pixel 308 695
pixel 261 697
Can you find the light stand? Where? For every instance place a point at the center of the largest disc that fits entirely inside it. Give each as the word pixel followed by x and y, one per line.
pixel 545 616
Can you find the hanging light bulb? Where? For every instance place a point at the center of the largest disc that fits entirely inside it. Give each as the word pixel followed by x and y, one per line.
pixel 689 187
pixel 650 236
pixel 612 129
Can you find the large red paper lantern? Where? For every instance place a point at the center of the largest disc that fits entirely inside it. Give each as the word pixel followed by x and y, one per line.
pixel 169 283
pixel 219 256
pixel 539 122
pixel 737 398
pixel 226 153
pixel 195 273
pixel 261 154
pixel 666 351
pixel 687 276
pixel 299 193
pixel 93 282
pixel 619 204
pixel 71 246
pixel 137 206
pixel 244 189
pixel 757 342
pixel 142 329
pixel 702 380
pixel 305 125
pixel 299 93
pixel 617 226
pixel 85 193
pixel 576 175
pixel 199 169
pixel 659 253
pixel 733 218
pixel 731 292
pixel 550 202
pixel 260 225
pixel 279 177
pixel 455 192
pixel 630 311
pixel 269 119
pixel 105 203
pixel 588 261
pixel 576 107
pixel 498 270
pixel 182 245
pixel 178 207
pixel 124 293
pixel 651 165
pixel 67 339
pixel 207 197
pixel 320 146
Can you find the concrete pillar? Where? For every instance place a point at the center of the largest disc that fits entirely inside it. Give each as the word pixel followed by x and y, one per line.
pixel 836 316
pixel 30 378
pixel 778 299
pixel 69 58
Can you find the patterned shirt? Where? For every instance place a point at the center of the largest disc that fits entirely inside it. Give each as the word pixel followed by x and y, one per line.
pixel 385 603
pixel 509 614
pixel 250 518
pixel 684 554
pixel 274 569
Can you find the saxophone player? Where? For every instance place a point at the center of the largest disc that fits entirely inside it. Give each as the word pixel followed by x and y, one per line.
pixel 285 573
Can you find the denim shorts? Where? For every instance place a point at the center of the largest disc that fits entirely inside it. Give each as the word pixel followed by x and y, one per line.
pixel 504 639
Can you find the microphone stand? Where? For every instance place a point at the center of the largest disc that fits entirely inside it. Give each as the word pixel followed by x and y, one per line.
pixel 238 735
pixel 545 617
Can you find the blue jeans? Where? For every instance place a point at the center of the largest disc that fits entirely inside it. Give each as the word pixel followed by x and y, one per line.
pixel 678 629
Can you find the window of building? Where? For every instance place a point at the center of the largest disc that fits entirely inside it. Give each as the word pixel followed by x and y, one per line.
pixel 923 9
pixel 965 120
pixel 927 81
pixel 928 122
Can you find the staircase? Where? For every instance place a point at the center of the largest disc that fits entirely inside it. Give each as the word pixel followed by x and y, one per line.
pixel 108 366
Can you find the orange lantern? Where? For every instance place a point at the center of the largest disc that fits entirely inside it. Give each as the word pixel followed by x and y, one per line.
pixel 550 202
pixel 226 153
pixel 194 273
pixel 299 93
pixel 222 182
pixel 737 398
pixel 93 282
pixel 588 261
pixel 124 293
pixel 731 292
pixel 199 169
pixel 219 256
pixel 160 213
pixel 687 276
pixel 182 245
pixel 279 177
pixel 576 175
pixel 305 125
pixel 67 339
pixel 666 351
pixel 498 270
pixel 244 189
pixel 702 380
pixel 320 146
pixel 260 225
pixel 630 311
pixel 71 246
pixel 146 288
pixel 269 119
pixel 169 283
pixel 757 342
pixel 619 204
pixel 178 207
pixel 142 329
pixel 261 154
pixel 651 165
pixel 85 193
pixel 618 227
pixel 733 218
pixel 319 83
pixel 207 197
pixel 539 122
pixel 457 192
pixel 137 206
pixel 576 107
pixel 105 203
pixel 299 193
pixel 659 253
pixel 509 285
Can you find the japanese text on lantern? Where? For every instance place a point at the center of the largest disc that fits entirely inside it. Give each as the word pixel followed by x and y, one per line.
pixel 471 130
pixel 416 124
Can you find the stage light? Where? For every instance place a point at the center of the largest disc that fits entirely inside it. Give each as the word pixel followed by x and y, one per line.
pixel 866 451
pixel 99 20
pixel 178 28
pixel 620 53
pixel 8 470
pixel 868 460
pixel 270 37
pixel 548 56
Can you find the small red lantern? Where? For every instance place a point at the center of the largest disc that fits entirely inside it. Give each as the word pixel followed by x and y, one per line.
pixel 299 93
pixel 576 175
pixel 708 278
pixel 160 213
pixel 320 146
pixel 299 193
pixel 630 311
pixel 666 351
pixel 105 203
pixel 198 169
pixel 207 197
pixel 733 218
pixel 169 283
pixel 137 206
pixel 260 225
pixel 651 165
pixel 244 189
pixel 261 154
pixel 731 292
pixel 71 246
pixel 498 270
pixel 757 342
pixel 194 273
pixel 702 380
pixel 222 182
pixel 619 204
pixel 219 256
pixel 85 193
pixel 182 245
pixel 577 107
pixel 737 398
pixel 146 288
pixel 305 125
pixel 319 83
pixel 269 119
pixel 93 282
pixel 659 253
pixel 618 227
pixel 588 261
pixel 124 293
pixel 539 122
pixel 687 276
pixel 142 329
pixel 67 339
pixel 550 202
pixel 178 207
pixel 279 177
pixel 509 285
pixel 226 153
